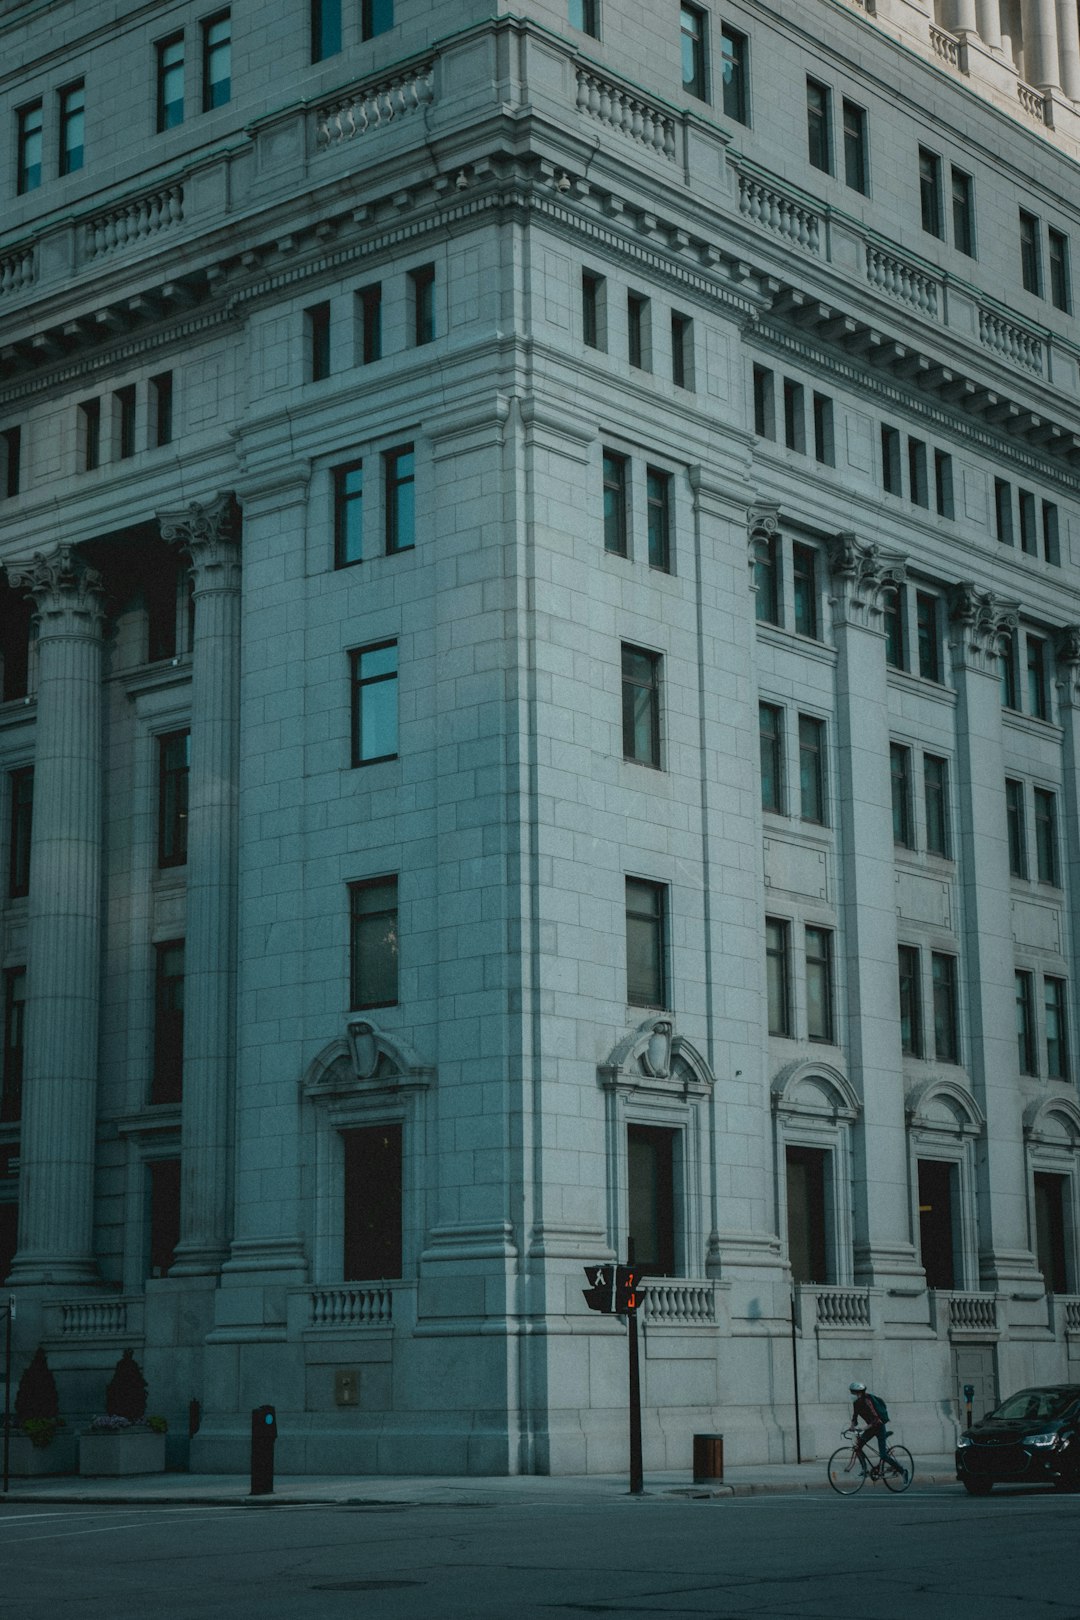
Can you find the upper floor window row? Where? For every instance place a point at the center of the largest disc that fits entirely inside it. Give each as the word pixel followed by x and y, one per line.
pixel 363 342
pixel 1044 261
pixel 173 93
pixel 821 141
pixel 68 130
pixel 395 492
pixel 733 68
pixel 328 24
pixel 805 417
pixel 957 216
pixel 622 498
pixel 641 351
pixel 925 476
pixel 113 427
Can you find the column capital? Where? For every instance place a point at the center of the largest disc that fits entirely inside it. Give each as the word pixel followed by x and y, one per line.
pixel 984 622
pixel 68 594
pixel 210 536
pixel 1067 648
pixel 762 528
pixel 863 573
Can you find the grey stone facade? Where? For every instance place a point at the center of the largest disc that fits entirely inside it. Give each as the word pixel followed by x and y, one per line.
pixel 588 733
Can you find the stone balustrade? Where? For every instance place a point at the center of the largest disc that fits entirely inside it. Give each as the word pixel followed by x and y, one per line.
pixel 843 1308
pixel 372 1306
pixel 18 270
pixel 1032 101
pixel 1072 1315
pixel 973 1313
pixel 373 106
pixel 134 222
pixel 678 1301
pixel 93 1318
pixel 946 46
pixel 1011 341
pixel 625 112
pixel 901 280
pixel 775 210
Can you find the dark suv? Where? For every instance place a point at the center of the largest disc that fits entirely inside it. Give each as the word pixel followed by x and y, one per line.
pixel 1032 1438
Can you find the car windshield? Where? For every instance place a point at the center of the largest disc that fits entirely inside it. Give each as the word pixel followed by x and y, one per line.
pixel 1037 1404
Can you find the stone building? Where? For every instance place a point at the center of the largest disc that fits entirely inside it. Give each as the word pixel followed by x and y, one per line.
pixel 540 716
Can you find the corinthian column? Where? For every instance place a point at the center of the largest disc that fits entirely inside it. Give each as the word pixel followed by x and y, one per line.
pixel 56 1152
pixel 209 535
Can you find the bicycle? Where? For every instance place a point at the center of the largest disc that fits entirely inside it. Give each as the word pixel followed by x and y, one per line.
pixel 850 1468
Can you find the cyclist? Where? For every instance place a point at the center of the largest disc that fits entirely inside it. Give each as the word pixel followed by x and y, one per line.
pixel 875 1414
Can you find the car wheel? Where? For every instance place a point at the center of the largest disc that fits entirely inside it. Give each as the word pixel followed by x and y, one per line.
pixel 978 1487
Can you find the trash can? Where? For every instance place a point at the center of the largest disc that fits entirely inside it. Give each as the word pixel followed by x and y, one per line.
pixel 708 1458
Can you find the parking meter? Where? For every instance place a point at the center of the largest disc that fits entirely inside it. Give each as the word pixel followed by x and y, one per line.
pixel 263 1435
pixel 969 1396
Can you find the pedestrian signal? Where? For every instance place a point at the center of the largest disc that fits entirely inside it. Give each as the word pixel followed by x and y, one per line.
pixel 599 1297
pixel 627 1291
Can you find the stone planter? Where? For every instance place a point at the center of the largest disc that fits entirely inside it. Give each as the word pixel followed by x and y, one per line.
pixel 27 1461
pixel 131 1451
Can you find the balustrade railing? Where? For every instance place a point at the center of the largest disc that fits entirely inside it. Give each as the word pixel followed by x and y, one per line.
pixel 973 1312
pixel 1032 101
pixel 669 1300
pixel 351 1307
pixel 902 280
pixel 843 1307
pixel 18 270
pixel 1072 1316
pixel 1011 341
pixel 93 1318
pixel 630 115
pixel 134 221
pixel 372 106
pixel 775 210
pixel 945 46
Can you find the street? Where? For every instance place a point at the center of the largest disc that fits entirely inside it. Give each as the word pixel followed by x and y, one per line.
pixel 932 1553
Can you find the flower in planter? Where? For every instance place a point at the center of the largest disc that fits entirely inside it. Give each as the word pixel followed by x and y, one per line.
pixel 42 1431
pixel 111 1423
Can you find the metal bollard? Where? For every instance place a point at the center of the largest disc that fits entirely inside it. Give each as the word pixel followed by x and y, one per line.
pixel 263 1436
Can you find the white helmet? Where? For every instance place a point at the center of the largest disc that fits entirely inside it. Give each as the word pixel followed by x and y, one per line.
pixel 857 1389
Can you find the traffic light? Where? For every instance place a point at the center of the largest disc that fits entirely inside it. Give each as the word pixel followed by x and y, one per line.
pixel 599 1296
pixel 627 1293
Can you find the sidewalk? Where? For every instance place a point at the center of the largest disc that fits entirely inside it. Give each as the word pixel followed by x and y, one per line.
pixel 232 1490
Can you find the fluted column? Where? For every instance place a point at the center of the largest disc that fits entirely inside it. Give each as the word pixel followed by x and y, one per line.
pixel 56 1152
pixel 1069 48
pixel 862 577
pixel 981 626
pixel 209 535
pixel 1041 44
pixel 1068 661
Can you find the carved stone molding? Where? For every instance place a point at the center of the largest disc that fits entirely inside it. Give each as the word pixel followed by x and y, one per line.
pixel 69 595
pixel 1067 648
pixel 864 574
pixel 210 536
pixel 653 1057
pixel 762 528
pixel 983 625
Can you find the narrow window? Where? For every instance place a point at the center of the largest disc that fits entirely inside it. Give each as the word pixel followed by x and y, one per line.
pixel 650 1188
pixel 936 1223
pixel 31 121
pixel 1057 1029
pixel 325 29
pixel 658 514
pixel 21 801
pixel 174 756
pixel 170 82
pixel 911 1034
pixel 771 744
pixel 1050 1231
pixel 317 322
pixel 1025 1024
pixel 217 61
pixel 807 1220
pixel 646 978
pixel 639 347
pixel 399 486
pixel 90 434
pixel 692 33
pixel 1007 665
pixel 373 951
pixel 1030 266
pixel 943 484
pixel 161 409
pixel 163 1214
pixel 856 167
pixel 124 400
pixel 376 17
pixel 348 514
pixel 890 460
pixel 893 618
pixel 946 1020
pixel 812 768
pixel 917 486
pixel 422 300
pixel 16 613
pixel 804 585
pixel 1051 544
pixel 371 1218
pixel 641 706
pixel 167 1082
pixel 370 303
pixel 1017 834
pixel 794 416
pixel 930 192
pixel 161 596
pixel 764 403
pixel 734 66
pixel 963 213
pixel 1003 511
pixel 1037 694
pixel 1029 538
pixel 374 703
pixel 584 17
pixel 593 310
pixel 615 469
pixel 936 802
pixel 818 118
pixel 768 591
pixel 11 458
pixel 14 1042
pixel 72 128
pixel 929 636
pixel 777 975
pixel 900 773
pixel 823 430
pixel 1046 836
pixel 819 990
pixel 1058 258
pixel 682 350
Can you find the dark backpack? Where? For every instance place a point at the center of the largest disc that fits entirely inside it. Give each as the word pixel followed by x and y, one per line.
pixel 879 1406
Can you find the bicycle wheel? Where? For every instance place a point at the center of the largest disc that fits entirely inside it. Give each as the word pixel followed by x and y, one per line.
pixel 847 1471
pixel 900 1475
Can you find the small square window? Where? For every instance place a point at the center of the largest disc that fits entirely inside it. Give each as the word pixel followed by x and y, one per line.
pixel 374 703
pixel 641 706
pixel 399 481
pixel 373 954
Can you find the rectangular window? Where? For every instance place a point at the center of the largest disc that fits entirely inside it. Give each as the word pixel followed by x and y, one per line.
pixel 174 757
pixel 593 310
pixel 1057 1029
pixel 930 192
pixel 163 1214
pixel 1050 1231
pixel 369 300
pixel 646 978
pixel 31 121
pixel 917 485
pixel 124 401
pixel 812 769
pixel 890 460
pixel 348 514
pixel 16 613
pixel 650 1189
pixel 11 461
pixel 946 1012
pixel 771 744
pixel 373 943
pixel 170 82
pixel 768 587
pixel 819 992
pixel 1037 694
pixel 893 617
pixel 818 120
pixel 794 416
pixel 1046 836
pixel 161 596
pixel 658 516
pixel 161 409
pixel 399 488
pixel 90 434
pixel 325 29
pixel 167 1082
pixel 936 1224
pixel 21 802
pixel 900 773
pixel 1051 545
pixel 14 1043
pixel 682 350
pixel 1003 511
pixel 943 484
pixel 734 57
pixel 856 166
pixel 615 536
pixel 217 61
pixel 1030 265
pixel 1017 832
pixel 1007 665
pixel 1029 538
pixel 641 706
pixel 638 333
pixel 1058 259
pixel 804 585
pixel 372 1213
pixel 929 636
pixel 317 324
pixel 422 301
pixel 374 703
pixel 376 17
pixel 1025 1024
pixel 692 35
pixel 807 1221
pixel 823 430
pixel 911 1034
pixel 764 403
pixel 936 802
pixel 776 976
pixel 963 213
pixel 72 128
pixel 584 17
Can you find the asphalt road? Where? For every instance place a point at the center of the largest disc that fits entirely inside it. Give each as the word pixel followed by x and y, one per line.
pixel 933 1554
